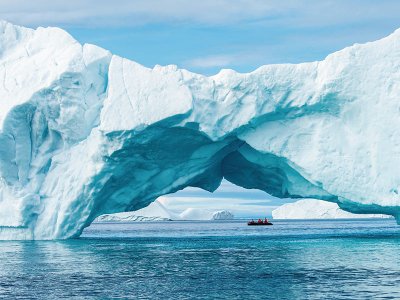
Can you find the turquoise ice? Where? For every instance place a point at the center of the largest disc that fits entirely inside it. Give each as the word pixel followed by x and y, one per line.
pixel 85 133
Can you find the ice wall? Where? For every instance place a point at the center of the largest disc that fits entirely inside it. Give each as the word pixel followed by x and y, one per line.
pixel 85 133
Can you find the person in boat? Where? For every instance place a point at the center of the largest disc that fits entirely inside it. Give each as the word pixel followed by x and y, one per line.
pixel 260 221
pixel 266 221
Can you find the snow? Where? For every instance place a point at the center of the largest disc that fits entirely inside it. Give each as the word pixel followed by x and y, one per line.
pixel 85 133
pixel 316 209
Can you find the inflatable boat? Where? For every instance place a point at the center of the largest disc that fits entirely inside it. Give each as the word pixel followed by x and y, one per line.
pixel 259 224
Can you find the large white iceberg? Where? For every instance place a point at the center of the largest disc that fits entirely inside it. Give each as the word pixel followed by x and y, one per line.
pixel 156 211
pixel 316 209
pixel 85 133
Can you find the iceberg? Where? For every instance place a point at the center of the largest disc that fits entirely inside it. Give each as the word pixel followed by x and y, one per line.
pixel 154 212
pixel 222 215
pixel 316 209
pixel 85 133
pixel 199 214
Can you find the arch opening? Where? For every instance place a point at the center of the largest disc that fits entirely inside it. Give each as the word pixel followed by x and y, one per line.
pixel 148 165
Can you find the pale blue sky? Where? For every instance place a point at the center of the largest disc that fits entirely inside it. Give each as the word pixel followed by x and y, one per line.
pixel 205 36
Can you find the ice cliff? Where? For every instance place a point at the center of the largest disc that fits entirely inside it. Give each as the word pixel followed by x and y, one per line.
pixel 85 133
pixel 316 209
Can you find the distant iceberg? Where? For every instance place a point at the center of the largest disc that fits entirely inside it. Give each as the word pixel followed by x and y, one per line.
pixel 154 212
pixel 198 214
pixel 316 209
pixel 223 215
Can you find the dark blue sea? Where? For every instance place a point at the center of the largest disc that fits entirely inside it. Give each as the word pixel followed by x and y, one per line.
pixel 209 260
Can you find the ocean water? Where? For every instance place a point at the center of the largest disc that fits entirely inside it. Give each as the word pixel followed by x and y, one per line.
pixel 209 260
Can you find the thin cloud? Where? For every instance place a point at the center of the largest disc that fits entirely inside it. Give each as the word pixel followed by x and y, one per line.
pixel 211 61
pixel 242 202
pixel 238 206
pixel 224 60
pixel 283 13
pixel 132 12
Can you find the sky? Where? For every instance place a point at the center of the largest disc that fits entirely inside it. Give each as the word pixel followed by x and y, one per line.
pixel 239 201
pixel 205 36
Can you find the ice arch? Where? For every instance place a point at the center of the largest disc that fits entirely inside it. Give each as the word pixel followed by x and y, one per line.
pixel 85 133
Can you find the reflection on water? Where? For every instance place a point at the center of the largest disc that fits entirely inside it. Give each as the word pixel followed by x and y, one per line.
pixel 189 260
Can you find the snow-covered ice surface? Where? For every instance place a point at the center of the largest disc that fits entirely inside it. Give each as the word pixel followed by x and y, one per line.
pixel 199 214
pixel 316 209
pixel 85 133
pixel 154 212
